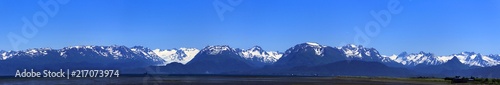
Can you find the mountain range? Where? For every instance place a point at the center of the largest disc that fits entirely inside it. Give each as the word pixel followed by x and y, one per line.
pixel 306 58
pixel 78 57
pixel 352 52
pixel 468 58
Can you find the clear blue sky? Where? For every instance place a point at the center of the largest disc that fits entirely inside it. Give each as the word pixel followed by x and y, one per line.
pixel 438 26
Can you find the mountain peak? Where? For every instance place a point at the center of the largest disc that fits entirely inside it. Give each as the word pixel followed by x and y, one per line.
pixel 216 49
pixel 3 55
pixel 219 46
pixel 403 53
pixel 78 47
pixel 138 47
pixel 256 48
pixel 181 55
pixel 312 43
pixel 259 57
pixel 353 46
pixel 454 60
pixel 304 47
pixel 426 54
pixel 188 49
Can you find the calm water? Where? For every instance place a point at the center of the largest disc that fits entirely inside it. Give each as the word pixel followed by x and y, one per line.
pixel 191 80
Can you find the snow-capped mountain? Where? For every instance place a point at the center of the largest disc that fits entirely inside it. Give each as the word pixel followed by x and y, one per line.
pixel 257 54
pixel 476 59
pixel 79 57
pixel 181 55
pixel 494 57
pixel 352 50
pixel 218 49
pixel 115 52
pixel 358 52
pixel 468 58
pixel 217 59
pixel 453 64
pixel 315 47
pixel 3 55
pixel 414 59
pixel 34 52
pixel 142 50
pixel 320 54
pixel 309 54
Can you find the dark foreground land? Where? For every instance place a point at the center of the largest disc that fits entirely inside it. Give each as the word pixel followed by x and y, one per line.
pixel 224 80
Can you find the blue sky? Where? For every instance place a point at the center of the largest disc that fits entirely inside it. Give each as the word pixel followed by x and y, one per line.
pixel 439 26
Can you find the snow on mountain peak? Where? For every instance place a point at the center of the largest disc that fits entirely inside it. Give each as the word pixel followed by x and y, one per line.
pixel 312 43
pixel 392 57
pixel 414 59
pixel 352 46
pixel 352 50
pixel 256 48
pixel 217 49
pixel 468 58
pixel 181 55
pixel 490 61
pixel 9 54
pixel 81 47
pixel 142 50
pixel 3 54
pixel 84 56
pixel 188 49
pixel 190 53
pixel 114 52
pixel 162 53
pixel 36 51
pixel 476 59
pixel 317 48
pixel 257 53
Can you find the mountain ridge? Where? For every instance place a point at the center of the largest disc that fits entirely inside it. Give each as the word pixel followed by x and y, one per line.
pixel 256 53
